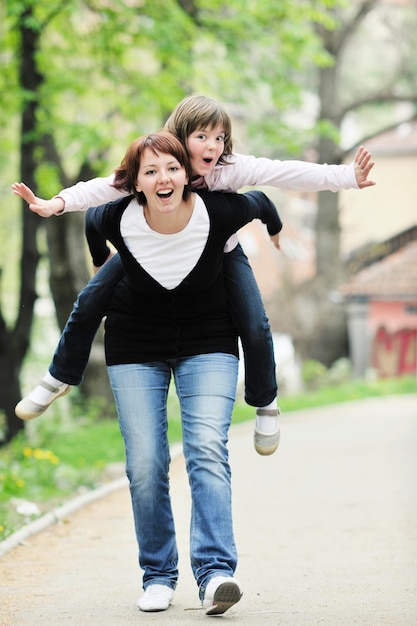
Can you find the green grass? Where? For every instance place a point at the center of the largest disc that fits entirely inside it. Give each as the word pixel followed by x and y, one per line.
pixel 354 390
pixel 60 455
pixel 54 466
pixel 334 394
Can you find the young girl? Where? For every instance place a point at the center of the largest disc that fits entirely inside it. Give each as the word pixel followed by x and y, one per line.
pixel 205 129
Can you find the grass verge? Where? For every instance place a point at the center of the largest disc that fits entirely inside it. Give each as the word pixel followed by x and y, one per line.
pixel 58 457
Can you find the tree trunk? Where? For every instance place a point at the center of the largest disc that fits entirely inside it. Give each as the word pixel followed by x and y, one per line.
pixel 70 272
pixel 14 344
pixel 68 275
pixel 9 382
pixel 321 334
pixel 318 320
pixel 327 339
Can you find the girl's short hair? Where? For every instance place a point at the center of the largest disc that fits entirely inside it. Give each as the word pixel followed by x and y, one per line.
pixel 196 112
pixel 162 142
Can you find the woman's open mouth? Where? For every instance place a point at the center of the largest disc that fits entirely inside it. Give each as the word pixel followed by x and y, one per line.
pixel 164 195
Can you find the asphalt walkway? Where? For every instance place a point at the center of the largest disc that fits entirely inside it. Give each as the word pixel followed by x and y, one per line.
pixel 326 531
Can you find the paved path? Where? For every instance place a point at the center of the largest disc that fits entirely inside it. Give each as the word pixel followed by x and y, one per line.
pixel 326 531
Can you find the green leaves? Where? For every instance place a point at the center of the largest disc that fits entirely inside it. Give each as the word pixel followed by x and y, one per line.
pixel 115 70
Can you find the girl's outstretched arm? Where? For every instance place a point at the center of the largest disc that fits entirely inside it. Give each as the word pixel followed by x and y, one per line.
pixel 44 208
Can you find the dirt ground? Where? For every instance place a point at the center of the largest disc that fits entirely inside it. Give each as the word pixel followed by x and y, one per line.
pixel 326 531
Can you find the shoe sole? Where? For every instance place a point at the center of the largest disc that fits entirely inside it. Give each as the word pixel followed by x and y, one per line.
pixel 30 415
pixel 225 596
pixel 153 609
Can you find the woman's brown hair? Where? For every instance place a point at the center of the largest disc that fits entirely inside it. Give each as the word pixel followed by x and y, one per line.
pixel 162 142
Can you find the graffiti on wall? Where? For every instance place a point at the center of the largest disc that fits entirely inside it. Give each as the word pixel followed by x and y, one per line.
pixel 395 354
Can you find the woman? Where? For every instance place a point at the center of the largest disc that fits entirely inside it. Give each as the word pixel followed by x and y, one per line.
pixel 168 317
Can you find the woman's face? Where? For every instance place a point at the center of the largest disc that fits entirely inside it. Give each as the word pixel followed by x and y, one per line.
pixel 162 179
pixel 205 147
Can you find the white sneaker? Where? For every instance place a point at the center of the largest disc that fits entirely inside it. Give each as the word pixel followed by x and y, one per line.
pixel 156 598
pixel 221 593
pixel 266 443
pixel 27 408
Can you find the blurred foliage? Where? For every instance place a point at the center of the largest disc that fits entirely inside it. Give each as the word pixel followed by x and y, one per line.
pixel 313 374
pixel 114 70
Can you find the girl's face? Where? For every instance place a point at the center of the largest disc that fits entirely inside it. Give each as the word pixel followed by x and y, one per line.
pixel 205 147
pixel 162 179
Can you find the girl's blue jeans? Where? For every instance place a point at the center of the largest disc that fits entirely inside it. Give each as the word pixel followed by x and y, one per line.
pixel 206 386
pixel 246 307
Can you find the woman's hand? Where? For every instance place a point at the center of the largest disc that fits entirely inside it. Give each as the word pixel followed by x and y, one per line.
pixel 363 166
pixel 44 208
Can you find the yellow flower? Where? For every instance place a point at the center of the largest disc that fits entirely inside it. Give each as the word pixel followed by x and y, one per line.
pixel 20 483
pixel 45 455
pixel 27 452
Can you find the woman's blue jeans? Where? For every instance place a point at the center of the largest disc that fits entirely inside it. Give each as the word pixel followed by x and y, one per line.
pixel 246 307
pixel 206 386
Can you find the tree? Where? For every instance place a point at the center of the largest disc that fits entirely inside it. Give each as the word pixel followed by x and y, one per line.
pixel 354 82
pixel 93 75
pixel 64 236
pixel 14 343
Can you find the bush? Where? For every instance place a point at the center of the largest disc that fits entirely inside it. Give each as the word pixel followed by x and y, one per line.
pixel 313 374
pixel 340 372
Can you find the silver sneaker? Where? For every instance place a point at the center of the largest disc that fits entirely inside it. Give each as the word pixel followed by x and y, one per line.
pixel 27 409
pixel 266 443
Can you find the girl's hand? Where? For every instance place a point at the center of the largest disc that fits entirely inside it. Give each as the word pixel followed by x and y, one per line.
pixel 44 208
pixel 363 166
pixel 111 255
pixel 275 241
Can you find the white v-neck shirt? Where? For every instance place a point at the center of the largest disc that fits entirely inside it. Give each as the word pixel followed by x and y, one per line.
pixel 177 253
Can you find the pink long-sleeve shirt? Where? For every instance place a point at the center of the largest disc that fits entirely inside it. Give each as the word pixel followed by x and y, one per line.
pixel 241 170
